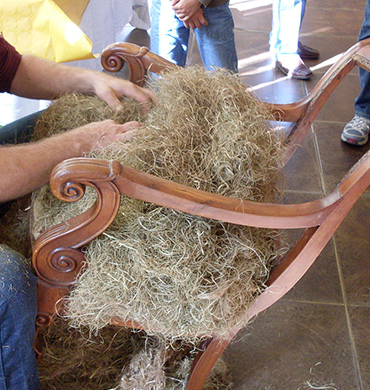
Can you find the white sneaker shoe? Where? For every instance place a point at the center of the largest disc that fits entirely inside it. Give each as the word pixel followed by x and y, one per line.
pixel 356 132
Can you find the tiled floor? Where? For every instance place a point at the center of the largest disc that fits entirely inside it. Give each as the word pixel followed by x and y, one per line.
pixel 318 336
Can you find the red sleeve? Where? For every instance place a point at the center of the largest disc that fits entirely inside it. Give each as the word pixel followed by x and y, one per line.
pixel 9 62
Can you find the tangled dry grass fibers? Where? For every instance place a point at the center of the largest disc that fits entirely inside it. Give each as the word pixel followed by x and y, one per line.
pixel 116 358
pixel 178 275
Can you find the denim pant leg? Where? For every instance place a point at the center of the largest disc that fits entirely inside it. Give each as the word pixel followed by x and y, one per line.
pixel 20 130
pixel 216 41
pixel 362 103
pixel 18 368
pixel 286 25
pixel 168 35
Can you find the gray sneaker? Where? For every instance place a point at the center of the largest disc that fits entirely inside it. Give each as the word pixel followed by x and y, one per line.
pixel 356 132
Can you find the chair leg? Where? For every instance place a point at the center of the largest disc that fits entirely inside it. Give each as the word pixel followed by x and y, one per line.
pixel 205 361
pixel 47 302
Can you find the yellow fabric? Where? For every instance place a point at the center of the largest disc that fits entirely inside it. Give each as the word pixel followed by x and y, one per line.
pixel 41 28
pixel 74 9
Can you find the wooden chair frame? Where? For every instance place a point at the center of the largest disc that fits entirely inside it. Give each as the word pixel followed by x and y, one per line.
pixel 57 258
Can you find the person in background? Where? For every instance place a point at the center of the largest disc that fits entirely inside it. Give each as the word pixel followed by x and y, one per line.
pixel 213 27
pixel 356 131
pixel 288 51
pixel 25 167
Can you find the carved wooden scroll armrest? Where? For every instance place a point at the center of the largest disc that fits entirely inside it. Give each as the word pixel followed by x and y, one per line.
pixel 56 255
pixel 138 59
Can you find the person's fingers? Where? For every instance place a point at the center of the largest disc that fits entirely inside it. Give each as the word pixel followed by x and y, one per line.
pixel 192 25
pixel 202 20
pixel 129 126
pixel 111 99
pixel 111 132
pixel 113 90
pixel 183 16
pixel 126 136
pixel 144 96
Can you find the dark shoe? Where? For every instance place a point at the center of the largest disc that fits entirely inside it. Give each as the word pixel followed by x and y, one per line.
pixel 294 68
pixel 307 52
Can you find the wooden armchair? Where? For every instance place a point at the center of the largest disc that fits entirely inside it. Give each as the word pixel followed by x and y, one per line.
pixel 57 258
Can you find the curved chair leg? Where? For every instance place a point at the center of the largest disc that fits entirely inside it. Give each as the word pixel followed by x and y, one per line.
pixel 48 300
pixel 205 361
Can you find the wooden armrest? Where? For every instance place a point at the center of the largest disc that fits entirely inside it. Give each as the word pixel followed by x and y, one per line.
pixel 138 59
pixel 110 179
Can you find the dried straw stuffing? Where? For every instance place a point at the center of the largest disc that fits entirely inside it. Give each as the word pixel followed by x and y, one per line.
pixel 118 359
pixel 178 275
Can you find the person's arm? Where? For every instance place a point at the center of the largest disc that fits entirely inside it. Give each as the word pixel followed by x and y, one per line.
pixel 37 78
pixel 190 13
pixel 26 167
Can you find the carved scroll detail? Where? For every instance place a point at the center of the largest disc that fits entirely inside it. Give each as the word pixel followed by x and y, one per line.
pixel 57 258
pixel 115 56
pixel 138 59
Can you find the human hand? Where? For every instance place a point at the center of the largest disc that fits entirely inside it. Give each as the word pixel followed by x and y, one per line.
pixel 33 162
pixel 186 9
pixel 196 21
pixel 98 135
pixel 110 89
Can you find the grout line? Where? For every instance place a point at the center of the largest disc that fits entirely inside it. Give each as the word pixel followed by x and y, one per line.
pixel 319 161
pixel 356 363
pixel 325 303
pixel 303 192
pixel 313 302
pixel 317 150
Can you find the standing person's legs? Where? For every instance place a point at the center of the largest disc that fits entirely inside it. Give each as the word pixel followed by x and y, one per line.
pixel 303 11
pixel 18 368
pixel 356 132
pixel 168 35
pixel 362 103
pixel 217 40
pixel 286 24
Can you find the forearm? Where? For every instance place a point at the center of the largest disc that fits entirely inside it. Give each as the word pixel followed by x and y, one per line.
pixel 37 78
pixel 41 79
pixel 20 175
pixel 23 168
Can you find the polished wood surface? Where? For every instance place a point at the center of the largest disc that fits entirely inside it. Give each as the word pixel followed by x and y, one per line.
pixel 56 255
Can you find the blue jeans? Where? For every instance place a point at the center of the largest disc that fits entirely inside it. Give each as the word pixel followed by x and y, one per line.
pixel 287 16
pixel 216 42
pixel 362 103
pixel 18 368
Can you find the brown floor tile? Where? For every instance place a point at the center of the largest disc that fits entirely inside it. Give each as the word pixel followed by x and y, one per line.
pixel 340 105
pixel 336 156
pixel 251 16
pixel 302 171
pixel 330 5
pixel 321 282
pixel 292 345
pixel 353 250
pixel 360 319
pixel 323 21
